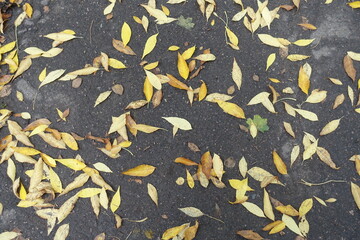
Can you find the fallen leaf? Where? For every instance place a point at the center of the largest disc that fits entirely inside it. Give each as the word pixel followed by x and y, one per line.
pixel 173 232
pixel 232 109
pixel 249 234
pixel 119 45
pixel 62 232
pixel 192 212
pixel 115 201
pixel 189 179
pixel 291 224
pixel 125 33
pixel 268 209
pixel 324 156
pixel 307 26
pixel 349 67
pixel 150 44
pixel 305 207
pixel 303 80
pixel 153 193
pixel 140 171
pixel 270 60
pixel 288 210
pixel 236 74
pixel 279 163
pixel 102 97
pixel 355 190
pixel 330 127
pixel 254 209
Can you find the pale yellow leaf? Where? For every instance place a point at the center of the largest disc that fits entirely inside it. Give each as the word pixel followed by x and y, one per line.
pixel 154 80
pixel 152 193
pixel 269 40
pixel 254 209
pixel 70 141
pixel 294 154
pixel 316 96
pixel 180 123
pixel 102 97
pixel 268 209
pixel 102 167
pixel 307 114
pixel 192 212
pixel 297 57
pixel 66 208
pixel 270 60
pixel 206 57
pixel 330 127
pixel 11 170
pixel 150 45
pixel 243 167
pixel 62 232
pixel 72 163
pixel 354 56
pixel 55 181
pixel 291 224
pixel 189 179
pixel 236 74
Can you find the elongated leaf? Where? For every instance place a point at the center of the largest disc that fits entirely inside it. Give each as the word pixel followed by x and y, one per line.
pixel 140 171
pixel 115 201
pixel 236 74
pixel 150 45
pixel 192 212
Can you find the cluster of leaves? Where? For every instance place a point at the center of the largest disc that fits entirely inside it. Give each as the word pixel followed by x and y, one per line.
pixel 45 182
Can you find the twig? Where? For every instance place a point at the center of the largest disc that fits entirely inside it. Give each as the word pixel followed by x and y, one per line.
pixel 322 183
pixel 91 31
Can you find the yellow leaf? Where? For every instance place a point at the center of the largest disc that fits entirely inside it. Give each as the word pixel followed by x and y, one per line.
pixel 206 57
pixel 109 8
pixel 61 37
pixel 236 74
pixel 218 166
pixel 254 209
pixel 260 174
pixel 102 97
pixel 150 45
pixel 190 233
pixel 270 60
pixel 145 128
pixel 176 83
pixel 165 10
pixel 173 48
pixel 114 63
pixel 115 201
pixel 297 57
pixel 185 161
pixel 148 89
pixel 354 56
pixel 269 40
pixel 189 179
pixel 152 193
pixel 202 91
pixel 104 200
pixel 182 66
pixel 243 167
pixel 88 192
pixel 102 167
pixel 308 26
pixel 322 202
pixel 7 47
pixel 305 207
pixel 324 156
pixel 268 209
pixel 72 163
pixel 291 224
pixel 330 127
pixel 66 208
pixel 26 151
pixel 288 210
pixel 151 66
pixel 279 163
pixel 154 80
pixel 173 232
pixel 140 171
pixel 249 234
pixel 188 53
pixel 316 96
pixel 355 4
pixel 23 66
pixel 274 80
pixel 79 181
pixel 136 104
pixel 303 80
pixel 233 38
pixel 232 109
pixel 278 228
pixel 137 19
pixel 28 9
pixel 125 33
pixel 303 42
pixel 52 76
pixel 69 141
pixel 55 181
pixel 8 235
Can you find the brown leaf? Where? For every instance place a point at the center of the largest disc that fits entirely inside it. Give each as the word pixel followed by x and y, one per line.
pixel 249 234
pixel 206 163
pixel 76 83
pixel 5 91
pixel 157 97
pixel 193 147
pixel 338 100
pixel 118 89
pixel 349 67
pixel 324 156
pixel 119 45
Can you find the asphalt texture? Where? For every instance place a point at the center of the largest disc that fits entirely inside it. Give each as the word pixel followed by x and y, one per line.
pixel 213 130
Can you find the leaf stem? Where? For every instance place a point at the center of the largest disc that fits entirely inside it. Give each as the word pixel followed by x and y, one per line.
pixel 207 215
pixel 322 183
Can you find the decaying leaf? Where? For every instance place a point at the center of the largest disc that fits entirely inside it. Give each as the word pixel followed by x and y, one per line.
pixel 330 127
pixel 324 156
pixel 349 67
pixel 249 234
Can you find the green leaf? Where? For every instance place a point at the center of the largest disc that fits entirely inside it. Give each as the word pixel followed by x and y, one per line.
pixel 260 123
pixel 185 22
